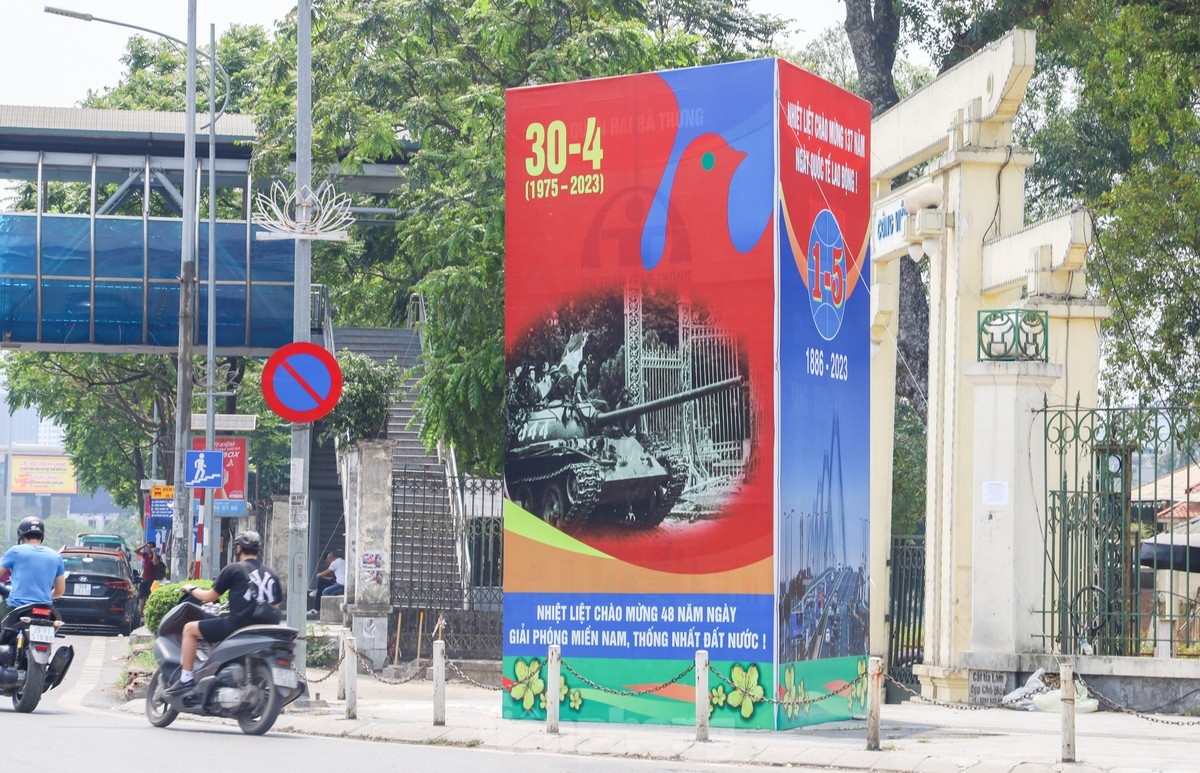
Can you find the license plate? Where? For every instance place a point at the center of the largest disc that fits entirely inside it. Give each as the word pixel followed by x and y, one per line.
pixel 83 589
pixel 41 633
pixel 284 677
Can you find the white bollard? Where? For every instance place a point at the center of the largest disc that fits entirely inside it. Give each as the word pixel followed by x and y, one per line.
pixel 350 676
pixel 439 683
pixel 553 677
pixel 701 695
pixel 874 698
pixel 1066 676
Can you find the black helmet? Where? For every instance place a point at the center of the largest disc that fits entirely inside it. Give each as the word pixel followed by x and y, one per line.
pixel 248 542
pixel 31 527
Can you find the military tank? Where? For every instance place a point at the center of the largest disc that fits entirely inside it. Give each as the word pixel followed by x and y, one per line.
pixel 571 459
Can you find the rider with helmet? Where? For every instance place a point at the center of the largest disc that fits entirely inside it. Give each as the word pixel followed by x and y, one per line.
pixel 254 594
pixel 38 574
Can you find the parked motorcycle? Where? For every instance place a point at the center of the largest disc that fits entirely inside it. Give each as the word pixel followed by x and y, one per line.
pixel 28 668
pixel 247 676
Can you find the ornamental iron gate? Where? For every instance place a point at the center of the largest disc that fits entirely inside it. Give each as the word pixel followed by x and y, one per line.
pixel 1122 500
pixel 906 608
pixel 447 559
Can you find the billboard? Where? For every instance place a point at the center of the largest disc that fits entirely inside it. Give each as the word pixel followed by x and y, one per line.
pixel 42 475
pixel 824 406
pixel 643 225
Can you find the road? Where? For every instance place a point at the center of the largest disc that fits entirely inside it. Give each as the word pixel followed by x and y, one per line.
pixel 78 727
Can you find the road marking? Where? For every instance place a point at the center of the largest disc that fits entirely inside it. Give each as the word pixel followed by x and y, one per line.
pixel 88 676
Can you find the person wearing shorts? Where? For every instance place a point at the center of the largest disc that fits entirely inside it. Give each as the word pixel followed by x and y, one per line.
pixel 250 583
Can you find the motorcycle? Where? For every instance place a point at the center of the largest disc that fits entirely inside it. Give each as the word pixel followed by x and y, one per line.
pixel 27 667
pixel 247 676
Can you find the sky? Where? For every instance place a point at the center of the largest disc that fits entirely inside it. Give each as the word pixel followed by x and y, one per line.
pixel 52 61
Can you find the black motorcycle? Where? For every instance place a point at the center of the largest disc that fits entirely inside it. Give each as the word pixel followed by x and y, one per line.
pixel 28 667
pixel 247 676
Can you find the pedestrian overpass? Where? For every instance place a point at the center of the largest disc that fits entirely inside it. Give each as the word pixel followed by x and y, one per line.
pixel 96 267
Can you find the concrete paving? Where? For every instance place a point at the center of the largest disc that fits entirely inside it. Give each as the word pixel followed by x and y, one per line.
pixel 914 736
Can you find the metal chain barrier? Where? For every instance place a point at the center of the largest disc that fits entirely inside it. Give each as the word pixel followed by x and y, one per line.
pixel 611 691
pixel 747 695
pixel 1124 710
pixel 366 663
pixel 496 687
pixel 1051 683
pixel 332 669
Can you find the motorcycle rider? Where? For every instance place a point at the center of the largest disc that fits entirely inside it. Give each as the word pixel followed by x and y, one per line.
pixel 252 585
pixel 38 573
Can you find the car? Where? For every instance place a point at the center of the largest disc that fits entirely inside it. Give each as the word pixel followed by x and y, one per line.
pixel 101 591
pixel 104 542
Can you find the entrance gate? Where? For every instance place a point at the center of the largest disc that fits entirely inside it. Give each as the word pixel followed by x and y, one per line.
pixel 906 609
pixel 1119 480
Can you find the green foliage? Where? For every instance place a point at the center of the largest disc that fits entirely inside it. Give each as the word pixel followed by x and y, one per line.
pixel 167 596
pixel 105 404
pixel 908 471
pixel 829 56
pixel 435 98
pixel 320 652
pixel 368 391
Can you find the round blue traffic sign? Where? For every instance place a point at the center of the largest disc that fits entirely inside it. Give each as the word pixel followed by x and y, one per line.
pixel 302 382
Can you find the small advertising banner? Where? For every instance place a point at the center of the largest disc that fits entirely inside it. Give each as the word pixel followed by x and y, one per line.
pixel 229 500
pixel 43 475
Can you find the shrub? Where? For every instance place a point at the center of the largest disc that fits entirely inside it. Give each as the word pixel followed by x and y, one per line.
pixel 320 652
pixel 361 412
pixel 165 597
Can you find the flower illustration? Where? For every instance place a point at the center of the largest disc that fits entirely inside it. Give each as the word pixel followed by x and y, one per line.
pixel 562 688
pixel 747 690
pixel 529 683
pixel 791 695
pixel 716 698
pixel 576 700
pixel 858 693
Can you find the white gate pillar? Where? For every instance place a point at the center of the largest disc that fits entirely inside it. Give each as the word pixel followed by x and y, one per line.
pixel 1007 495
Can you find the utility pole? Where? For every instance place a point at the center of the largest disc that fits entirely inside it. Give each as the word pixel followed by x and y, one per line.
pixel 298 509
pixel 181 521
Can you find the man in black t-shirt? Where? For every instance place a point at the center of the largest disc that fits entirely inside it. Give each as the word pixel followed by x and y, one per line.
pixel 253 587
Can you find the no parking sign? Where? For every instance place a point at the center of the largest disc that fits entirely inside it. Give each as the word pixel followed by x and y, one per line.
pixel 302 382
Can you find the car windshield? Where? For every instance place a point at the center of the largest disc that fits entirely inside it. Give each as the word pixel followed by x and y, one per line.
pixel 93 564
pixel 105 541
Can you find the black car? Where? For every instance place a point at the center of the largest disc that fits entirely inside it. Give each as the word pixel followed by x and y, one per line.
pixel 101 591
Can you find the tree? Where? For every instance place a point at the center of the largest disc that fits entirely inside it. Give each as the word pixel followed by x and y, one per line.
pixel 908 471
pixel 1124 145
pixel 112 408
pixel 434 98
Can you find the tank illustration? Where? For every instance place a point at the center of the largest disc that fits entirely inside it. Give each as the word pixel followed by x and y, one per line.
pixel 572 461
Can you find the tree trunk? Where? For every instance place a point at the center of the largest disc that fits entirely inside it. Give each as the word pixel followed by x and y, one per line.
pixel 874 32
pixel 873 28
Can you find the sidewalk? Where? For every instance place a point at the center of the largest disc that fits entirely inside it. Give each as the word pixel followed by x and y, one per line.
pixel 914 736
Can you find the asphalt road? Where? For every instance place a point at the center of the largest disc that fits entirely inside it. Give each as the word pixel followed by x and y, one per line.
pixel 77 728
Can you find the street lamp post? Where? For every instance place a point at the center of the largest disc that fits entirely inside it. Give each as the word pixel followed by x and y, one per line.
pixel 297 586
pixel 323 215
pixel 181 526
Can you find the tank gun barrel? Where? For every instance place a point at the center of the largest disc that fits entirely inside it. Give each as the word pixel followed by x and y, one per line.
pixel 635 411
